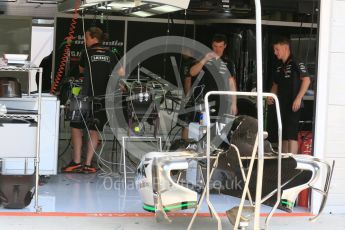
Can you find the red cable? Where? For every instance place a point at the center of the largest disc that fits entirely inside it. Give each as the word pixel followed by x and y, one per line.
pixel 67 48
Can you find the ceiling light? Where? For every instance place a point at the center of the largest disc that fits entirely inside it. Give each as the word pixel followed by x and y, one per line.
pixel 182 4
pixel 104 8
pixel 122 5
pixel 165 9
pixel 142 14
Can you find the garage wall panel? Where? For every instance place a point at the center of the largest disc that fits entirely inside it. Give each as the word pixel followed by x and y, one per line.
pixel 336 124
pixel 337 41
pixel 335 94
pixel 335 148
pixel 339 169
pixel 338 13
pixel 336 200
pixel 336 65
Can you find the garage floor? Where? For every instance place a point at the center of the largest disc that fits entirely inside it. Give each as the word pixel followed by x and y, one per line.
pixel 81 194
pixel 96 193
pixel 94 201
pixel 99 201
pixel 334 222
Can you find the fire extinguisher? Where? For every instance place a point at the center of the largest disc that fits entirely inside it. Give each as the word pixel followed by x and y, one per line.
pixel 305 142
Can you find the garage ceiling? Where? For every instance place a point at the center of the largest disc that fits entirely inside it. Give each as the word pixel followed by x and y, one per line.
pixel 33 8
pixel 197 8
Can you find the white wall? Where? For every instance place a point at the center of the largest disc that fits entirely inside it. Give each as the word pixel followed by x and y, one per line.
pixel 330 109
pixel 41 45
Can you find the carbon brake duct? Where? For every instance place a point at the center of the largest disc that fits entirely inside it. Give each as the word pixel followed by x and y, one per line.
pixel 314 165
pixel 325 190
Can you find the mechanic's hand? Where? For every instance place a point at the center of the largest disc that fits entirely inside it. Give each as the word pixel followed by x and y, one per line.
pixel 296 104
pixel 270 100
pixel 209 56
pixel 122 87
pixel 233 109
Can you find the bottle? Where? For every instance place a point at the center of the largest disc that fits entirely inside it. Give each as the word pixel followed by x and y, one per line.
pixel 203 119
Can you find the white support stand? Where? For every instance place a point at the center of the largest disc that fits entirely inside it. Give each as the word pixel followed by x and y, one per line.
pixel 259 175
pixel 259 98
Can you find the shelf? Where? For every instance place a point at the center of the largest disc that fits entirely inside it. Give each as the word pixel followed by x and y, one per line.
pixel 19 69
pixel 253 21
pixel 23 69
pixel 20 116
pixel 26 134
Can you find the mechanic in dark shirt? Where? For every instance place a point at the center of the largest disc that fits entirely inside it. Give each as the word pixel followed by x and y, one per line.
pixel 46 65
pixel 219 75
pixel 290 83
pixel 102 62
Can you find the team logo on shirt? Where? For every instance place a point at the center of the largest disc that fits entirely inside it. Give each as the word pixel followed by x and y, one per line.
pixel 287 71
pixel 96 58
pixel 302 67
pixel 223 68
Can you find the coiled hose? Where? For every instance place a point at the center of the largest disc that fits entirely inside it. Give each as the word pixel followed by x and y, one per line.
pixel 67 48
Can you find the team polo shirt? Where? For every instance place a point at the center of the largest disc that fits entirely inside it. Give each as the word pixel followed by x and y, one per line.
pixel 217 73
pixel 216 78
pixel 102 62
pixel 288 78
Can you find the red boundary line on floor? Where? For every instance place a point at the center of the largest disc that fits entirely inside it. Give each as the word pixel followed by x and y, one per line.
pixel 139 214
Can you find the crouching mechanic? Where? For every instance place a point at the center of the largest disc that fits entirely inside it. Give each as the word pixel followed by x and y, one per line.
pixel 96 64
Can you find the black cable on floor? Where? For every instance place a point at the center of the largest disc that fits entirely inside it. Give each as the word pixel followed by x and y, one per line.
pixel 65 150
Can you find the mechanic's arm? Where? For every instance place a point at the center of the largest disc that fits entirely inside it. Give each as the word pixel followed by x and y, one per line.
pixel 187 85
pixel 274 89
pixel 303 89
pixel 233 88
pixel 81 69
pixel 195 69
